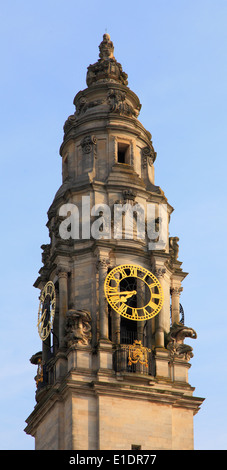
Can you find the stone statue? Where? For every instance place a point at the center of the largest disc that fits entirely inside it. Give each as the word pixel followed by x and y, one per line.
pixel 175 339
pixel 78 327
pixel 174 247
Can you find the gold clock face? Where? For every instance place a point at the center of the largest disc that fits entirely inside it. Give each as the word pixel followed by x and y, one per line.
pixel 46 310
pixel 133 292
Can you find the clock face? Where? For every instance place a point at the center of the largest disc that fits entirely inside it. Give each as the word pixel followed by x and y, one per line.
pixel 46 310
pixel 133 292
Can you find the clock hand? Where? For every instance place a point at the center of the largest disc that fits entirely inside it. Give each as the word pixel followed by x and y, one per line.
pixel 126 295
pixel 122 296
pixel 42 317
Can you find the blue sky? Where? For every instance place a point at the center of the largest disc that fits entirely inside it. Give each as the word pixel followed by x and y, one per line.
pixel 174 52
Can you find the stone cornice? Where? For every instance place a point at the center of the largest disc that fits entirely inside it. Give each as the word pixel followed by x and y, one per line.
pixel 115 122
pixel 96 88
pixel 149 389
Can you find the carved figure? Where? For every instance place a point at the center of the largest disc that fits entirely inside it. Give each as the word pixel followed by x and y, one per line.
pixel 175 338
pixel 174 248
pixel 106 47
pixel 78 327
pixel 107 68
pixel 117 103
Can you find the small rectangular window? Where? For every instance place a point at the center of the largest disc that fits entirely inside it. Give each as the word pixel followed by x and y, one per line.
pixel 123 153
pixel 135 447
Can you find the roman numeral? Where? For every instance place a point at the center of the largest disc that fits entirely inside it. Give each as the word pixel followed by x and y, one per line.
pixel 122 309
pixel 153 305
pixel 134 314
pixel 122 271
pixel 133 271
pixel 156 296
pixel 112 290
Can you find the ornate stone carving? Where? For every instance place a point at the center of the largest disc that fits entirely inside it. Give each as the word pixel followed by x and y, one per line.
pixel 62 272
pixel 107 68
pixel 102 263
pixel 55 226
pixel 148 156
pixel 45 253
pixel 129 196
pixel 88 144
pixel 83 105
pixel 176 290
pixel 36 359
pixel 69 123
pixel 106 48
pixel 117 103
pixel 78 327
pixel 173 248
pixel 175 338
pixel 159 272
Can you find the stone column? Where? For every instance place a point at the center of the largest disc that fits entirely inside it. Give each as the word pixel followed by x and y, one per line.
pixel 159 319
pixel 116 329
pixel 63 303
pixel 102 265
pixel 46 349
pixel 175 296
pixel 56 325
pixel 141 301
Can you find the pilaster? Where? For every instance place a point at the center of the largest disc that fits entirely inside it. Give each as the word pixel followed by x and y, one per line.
pixel 175 297
pixel 102 266
pixel 63 302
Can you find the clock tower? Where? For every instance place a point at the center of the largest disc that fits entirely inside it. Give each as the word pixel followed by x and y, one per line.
pixel 113 369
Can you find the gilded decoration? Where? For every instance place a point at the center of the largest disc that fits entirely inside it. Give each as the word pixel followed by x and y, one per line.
pixel 137 353
pixel 46 311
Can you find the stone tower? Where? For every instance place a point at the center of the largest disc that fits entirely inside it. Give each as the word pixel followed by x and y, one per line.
pixel 106 380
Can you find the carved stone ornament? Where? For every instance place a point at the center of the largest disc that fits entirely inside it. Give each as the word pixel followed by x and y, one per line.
pixel 83 105
pixel 175 338
pixel 173 248
pixel 69 123
pixel 176 290
pixel 102 263
pixel 118 104
pixel 78 327
pixel 37 360
pixel 55 227
pixel 129 195
pixel 107 68
pixel 88 144
pixel 159 272
pixel 106 48
pixel 148 156
pixel 45 253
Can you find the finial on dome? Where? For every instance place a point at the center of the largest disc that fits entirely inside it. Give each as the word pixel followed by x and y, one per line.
pixel 106 68
pixel 106 47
